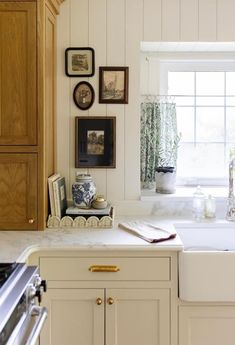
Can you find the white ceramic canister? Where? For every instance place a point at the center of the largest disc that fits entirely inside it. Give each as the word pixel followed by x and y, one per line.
pixel 83 191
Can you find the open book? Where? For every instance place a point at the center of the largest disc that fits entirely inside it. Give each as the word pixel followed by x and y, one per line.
pixel 148 232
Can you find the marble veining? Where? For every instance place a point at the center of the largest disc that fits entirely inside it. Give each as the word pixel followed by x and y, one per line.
pixel 18 245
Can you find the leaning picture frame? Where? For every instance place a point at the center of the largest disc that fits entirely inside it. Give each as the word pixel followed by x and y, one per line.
pixel 80 62
pixel 113 85
pixel 95 142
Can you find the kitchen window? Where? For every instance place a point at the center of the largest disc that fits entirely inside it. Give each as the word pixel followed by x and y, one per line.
pixel 204 93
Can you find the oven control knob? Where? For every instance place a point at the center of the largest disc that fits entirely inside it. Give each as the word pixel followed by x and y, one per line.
pixel 44 285
pixel 37 280
pixel 39 295
pixel 31 292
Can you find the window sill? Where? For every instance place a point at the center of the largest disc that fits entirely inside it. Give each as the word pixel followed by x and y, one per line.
pixel 183 194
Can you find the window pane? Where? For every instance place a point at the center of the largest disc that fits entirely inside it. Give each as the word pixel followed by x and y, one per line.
pixel 210 101
pixel 204 160
pixel 210 124
pixel 185 161
pixel 210 160
pixel 185 123
pixel 210 83
pixel 230 101
pixel 180 83
pixel 230 123
pixel 230 83
pixel 184 100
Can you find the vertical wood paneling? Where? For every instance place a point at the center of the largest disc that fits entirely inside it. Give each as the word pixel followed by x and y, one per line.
pixel 79 37
pixel 189 20
pixel 225 20
pixel 114 29
pixel 63 94
pixel 170 20
pixel 116 57
pixel 152 20
pixel 134 34
pixel 97 40
pixel 207 20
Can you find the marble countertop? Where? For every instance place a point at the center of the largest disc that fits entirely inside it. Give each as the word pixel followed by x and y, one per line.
pixel 18 245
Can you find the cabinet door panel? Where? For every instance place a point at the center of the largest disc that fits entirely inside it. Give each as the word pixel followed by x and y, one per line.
pixel 18 65
pixel 207 325
pixel 74 317
pixel 138 316
pixel 18 190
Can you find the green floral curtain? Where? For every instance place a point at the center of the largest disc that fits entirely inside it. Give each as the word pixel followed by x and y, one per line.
pixel 159 139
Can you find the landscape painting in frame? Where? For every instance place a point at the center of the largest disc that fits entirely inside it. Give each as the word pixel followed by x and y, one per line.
pixel 80 62
pixel 95 142
pixel 113 85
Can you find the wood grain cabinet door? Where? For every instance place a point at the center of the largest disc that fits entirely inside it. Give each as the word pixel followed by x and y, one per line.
pixel 18 191
pixel 18 68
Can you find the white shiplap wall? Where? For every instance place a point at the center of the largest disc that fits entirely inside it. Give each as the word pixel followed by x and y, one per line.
pixel 115 28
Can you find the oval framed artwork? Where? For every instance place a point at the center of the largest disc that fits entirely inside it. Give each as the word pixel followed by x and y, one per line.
pixel 83 95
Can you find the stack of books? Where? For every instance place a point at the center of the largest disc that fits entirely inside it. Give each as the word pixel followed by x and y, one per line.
pixel 74 212
pixel 57 195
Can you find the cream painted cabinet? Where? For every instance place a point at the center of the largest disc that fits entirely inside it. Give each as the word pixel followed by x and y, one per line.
pixel 107 300
pixel 207 325
pixel 137 316
pixel 76 317
pixel 123 317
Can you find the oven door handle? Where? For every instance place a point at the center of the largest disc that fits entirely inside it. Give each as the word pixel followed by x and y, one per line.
pixel 41 312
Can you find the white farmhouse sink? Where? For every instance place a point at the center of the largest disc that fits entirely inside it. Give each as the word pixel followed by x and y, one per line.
pixel 207 263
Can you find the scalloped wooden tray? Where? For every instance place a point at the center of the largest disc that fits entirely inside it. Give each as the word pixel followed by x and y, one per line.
pixel 80 222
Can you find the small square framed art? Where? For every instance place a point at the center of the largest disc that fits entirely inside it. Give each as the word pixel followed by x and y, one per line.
pixel 80 62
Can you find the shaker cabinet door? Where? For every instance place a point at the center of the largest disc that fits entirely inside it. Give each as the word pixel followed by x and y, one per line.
pixel 18 191
pixel 18 68
pixel 76 316
pixel 137 317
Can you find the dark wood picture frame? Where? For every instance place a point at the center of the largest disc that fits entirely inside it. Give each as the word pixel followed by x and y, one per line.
pixel 113 85
pixel 80 62
pixel 83 95
pixel 95 142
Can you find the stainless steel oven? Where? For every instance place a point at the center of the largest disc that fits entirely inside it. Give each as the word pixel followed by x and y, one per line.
pixel 21 317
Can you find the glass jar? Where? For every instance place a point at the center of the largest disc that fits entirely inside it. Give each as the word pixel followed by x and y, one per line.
pixel 83 191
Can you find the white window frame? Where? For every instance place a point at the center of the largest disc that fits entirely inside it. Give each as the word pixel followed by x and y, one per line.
pixel 205 65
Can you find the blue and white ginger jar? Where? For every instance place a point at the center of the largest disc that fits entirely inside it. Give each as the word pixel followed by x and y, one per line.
pixel 83 191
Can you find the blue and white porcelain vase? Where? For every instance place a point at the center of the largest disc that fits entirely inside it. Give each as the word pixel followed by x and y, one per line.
pixel 83 191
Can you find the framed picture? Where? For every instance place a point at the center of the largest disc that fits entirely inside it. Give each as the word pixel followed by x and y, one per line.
pixel 83 95
pixel 113 84
pixel 95 140
pixel 79 62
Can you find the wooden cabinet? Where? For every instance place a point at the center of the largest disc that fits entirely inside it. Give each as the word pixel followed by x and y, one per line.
pixel 18 60
pixel 118 300
pixel 27 110
pixel 18 186
pixel 207 325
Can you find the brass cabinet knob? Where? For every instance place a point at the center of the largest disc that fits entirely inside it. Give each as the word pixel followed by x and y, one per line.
pixel 98 301
pixel 110 300
pixel 31 221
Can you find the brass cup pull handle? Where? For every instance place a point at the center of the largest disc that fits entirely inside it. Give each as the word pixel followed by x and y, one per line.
pixel 98 301
pixel 110 300
pixel 103 268
pixel 31 221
